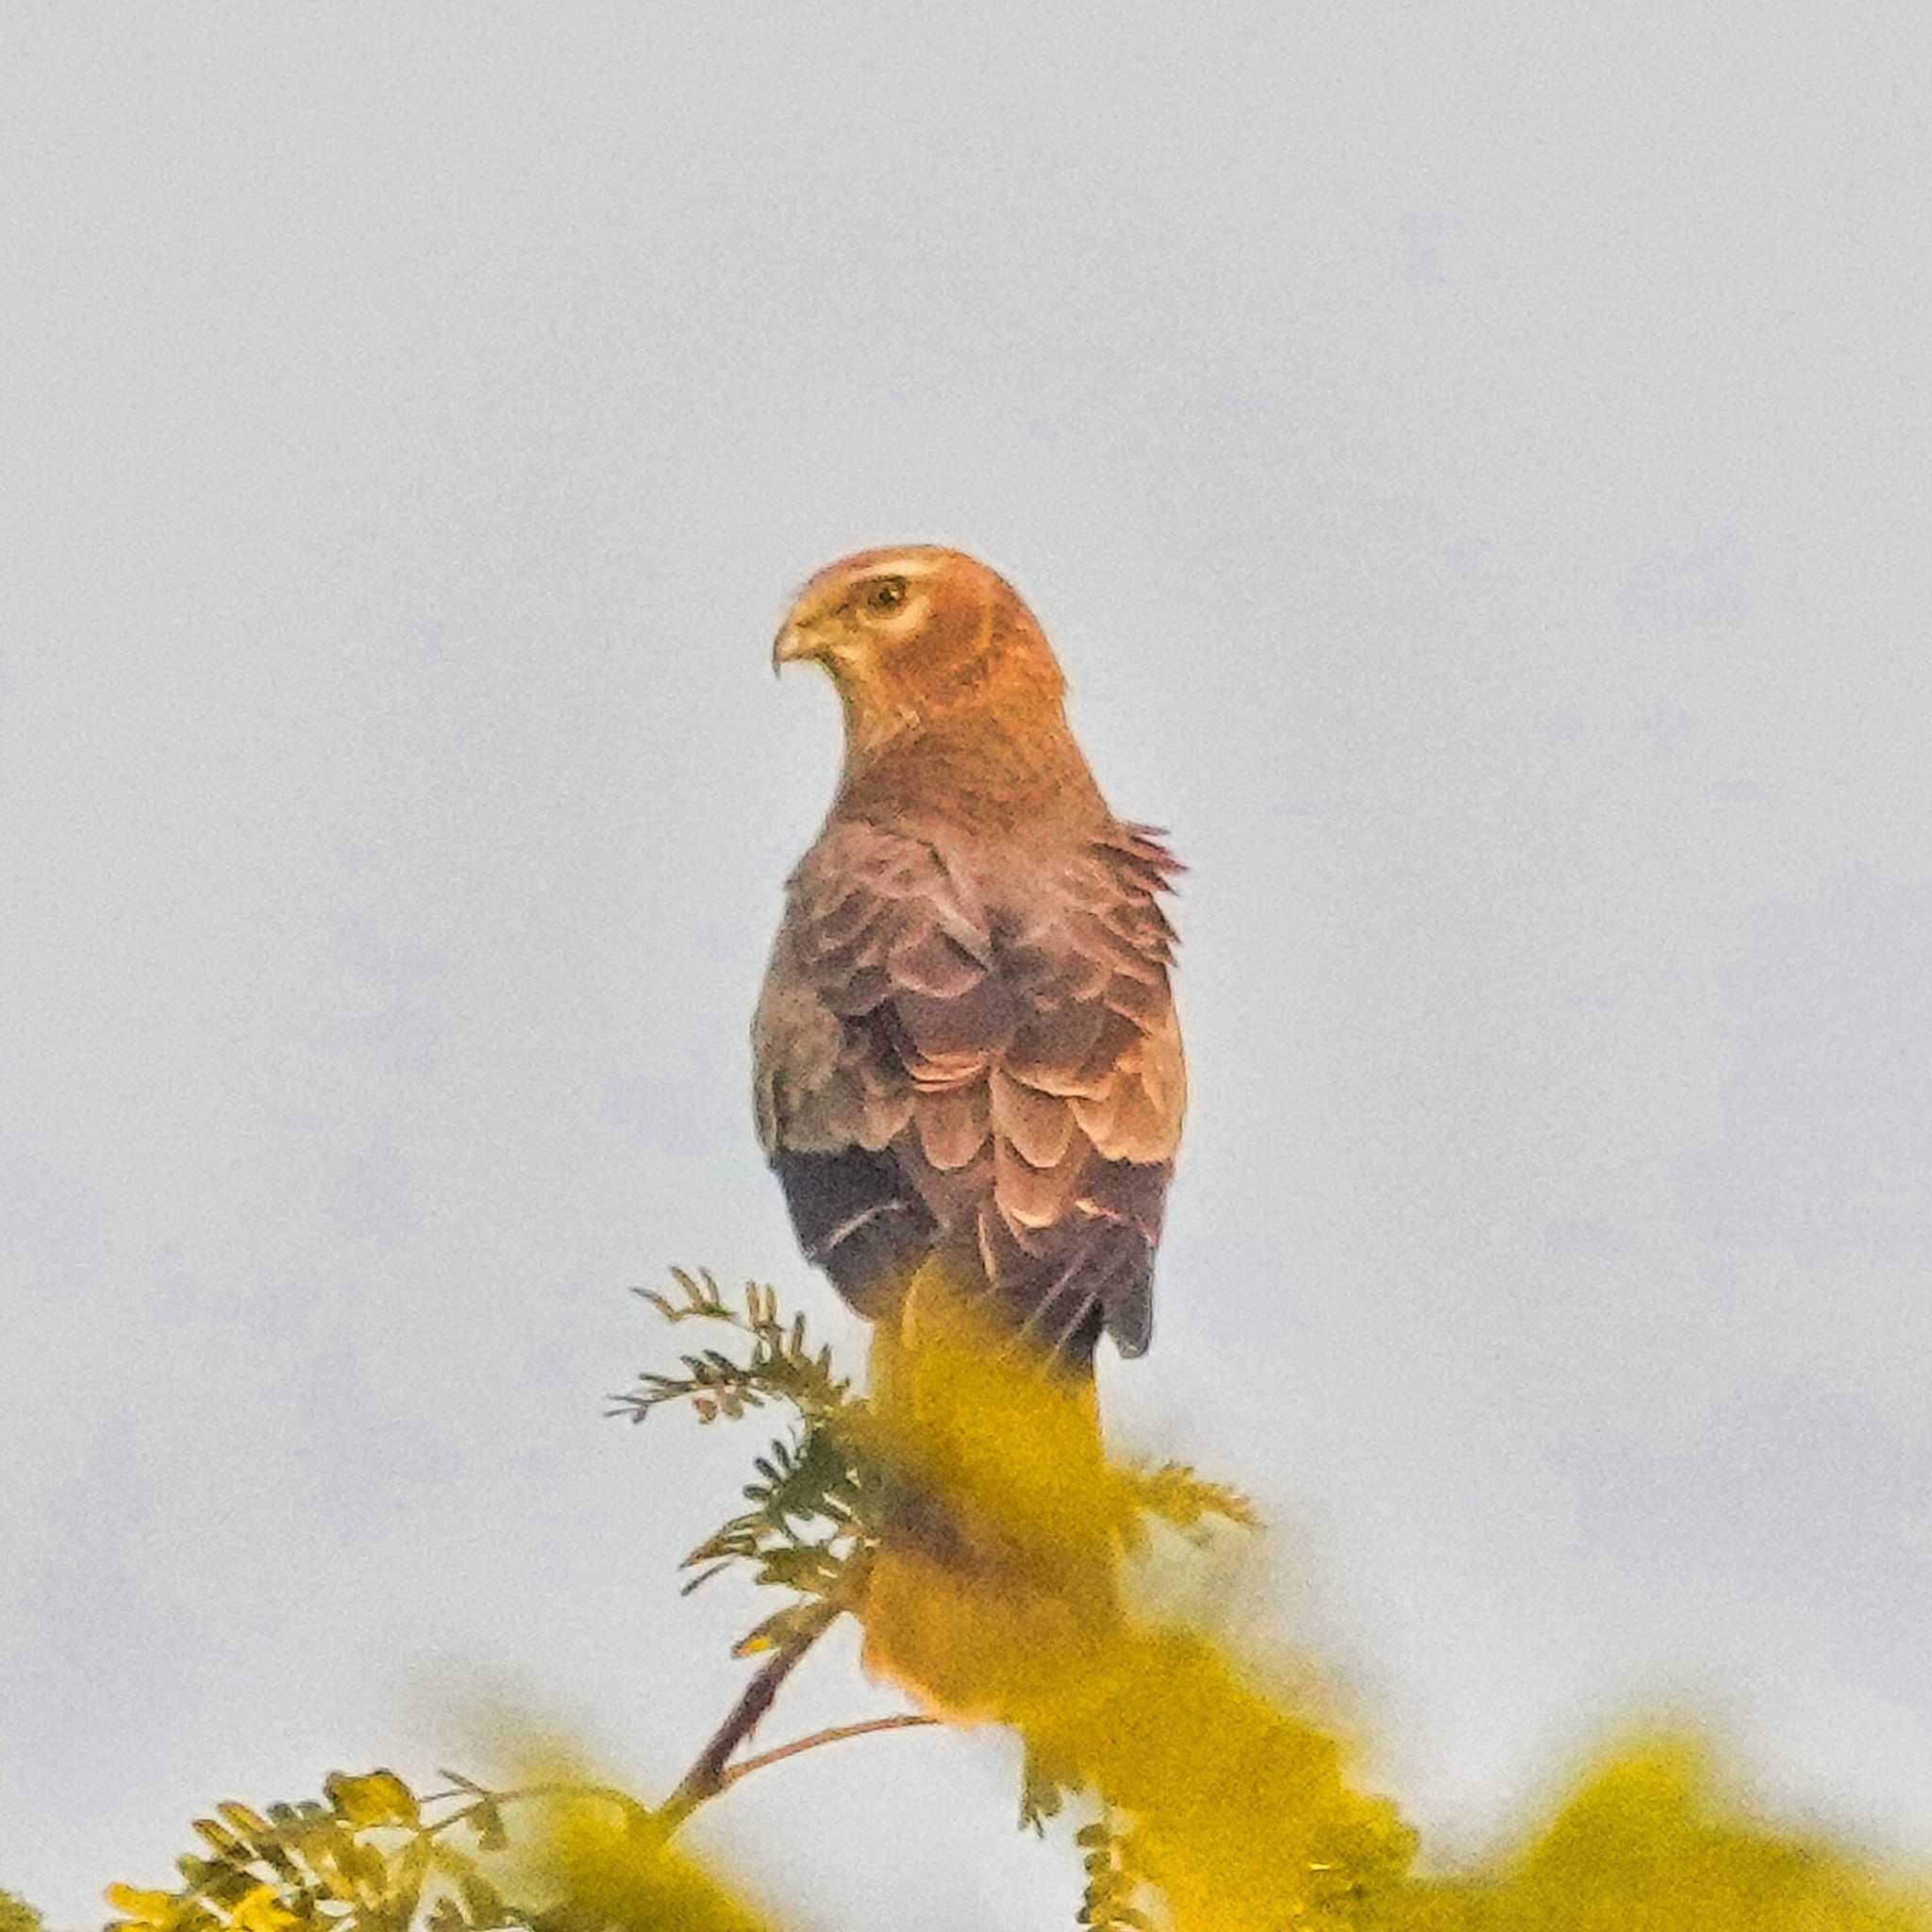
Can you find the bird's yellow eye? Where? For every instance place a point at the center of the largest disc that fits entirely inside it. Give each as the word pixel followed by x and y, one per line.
pixel 884 595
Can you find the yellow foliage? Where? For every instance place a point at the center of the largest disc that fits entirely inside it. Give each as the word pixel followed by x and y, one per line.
pixel 260 1910
pixel 140 1906
pixel 378 1797
pixel 611 1860
pixel 968 1514
pixel 1648 1843
pixel 999 1602
pixel 369 1860
pixel 1238 1808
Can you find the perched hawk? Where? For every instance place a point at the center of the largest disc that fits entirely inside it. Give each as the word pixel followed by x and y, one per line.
pixel 966 1051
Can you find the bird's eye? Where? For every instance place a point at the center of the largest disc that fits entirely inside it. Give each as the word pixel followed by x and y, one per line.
pixel 885 594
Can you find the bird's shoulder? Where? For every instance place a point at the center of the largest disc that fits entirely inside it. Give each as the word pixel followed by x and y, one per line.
pixel 982 888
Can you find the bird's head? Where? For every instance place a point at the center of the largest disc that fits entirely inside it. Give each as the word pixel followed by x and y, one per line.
pixel 913 635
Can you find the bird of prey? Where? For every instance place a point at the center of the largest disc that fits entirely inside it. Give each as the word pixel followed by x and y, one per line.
pixel 966 1046
pixel 967 1067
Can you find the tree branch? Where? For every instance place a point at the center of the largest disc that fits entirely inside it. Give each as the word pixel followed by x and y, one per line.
pixel 708 1776
pixel 905 1720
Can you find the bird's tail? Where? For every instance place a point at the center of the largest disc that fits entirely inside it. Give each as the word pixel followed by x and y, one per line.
pixel 995 1572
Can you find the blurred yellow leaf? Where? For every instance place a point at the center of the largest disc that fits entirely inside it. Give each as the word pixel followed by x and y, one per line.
pixel 223 1840
pixel 376 1797
pixel 145 1908
pixel 600 1853
pixel 260 1910
pixel 249 1824
pixel 615 1865
pixel 1648 1843
pixel 995 1596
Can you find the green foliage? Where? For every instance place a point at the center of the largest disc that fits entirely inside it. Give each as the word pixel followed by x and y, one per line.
pixel 782 1367
pixel 371 1858
pixel 816 1501
pixel 16 1915
pixel 1112 1883
pixel 375 1857
pixel 820 1491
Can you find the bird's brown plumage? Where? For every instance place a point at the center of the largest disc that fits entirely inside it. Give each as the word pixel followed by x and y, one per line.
pixel 966 1046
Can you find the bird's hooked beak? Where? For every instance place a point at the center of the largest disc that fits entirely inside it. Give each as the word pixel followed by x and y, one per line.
pixel 796 644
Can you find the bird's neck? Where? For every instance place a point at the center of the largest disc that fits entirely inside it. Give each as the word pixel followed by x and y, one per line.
pixel 975 769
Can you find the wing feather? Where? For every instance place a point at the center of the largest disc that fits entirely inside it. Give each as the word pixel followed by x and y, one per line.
pixel 961 1046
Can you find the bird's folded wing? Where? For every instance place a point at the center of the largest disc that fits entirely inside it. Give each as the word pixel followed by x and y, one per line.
pixel 944 1051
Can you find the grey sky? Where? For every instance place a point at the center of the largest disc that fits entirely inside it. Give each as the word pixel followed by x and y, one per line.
pixel 1473 461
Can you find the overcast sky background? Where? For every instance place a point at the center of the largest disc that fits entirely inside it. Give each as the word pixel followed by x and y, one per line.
pixel 1472 460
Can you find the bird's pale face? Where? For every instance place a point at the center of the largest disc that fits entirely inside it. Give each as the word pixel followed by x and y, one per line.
pixel 907 634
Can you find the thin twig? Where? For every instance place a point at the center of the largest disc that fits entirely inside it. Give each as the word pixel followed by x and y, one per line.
pixel 568 1788
pixel 905 1722
pixel 708 1777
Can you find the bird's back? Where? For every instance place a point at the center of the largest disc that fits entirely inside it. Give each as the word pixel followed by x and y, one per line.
pixel 967 1044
